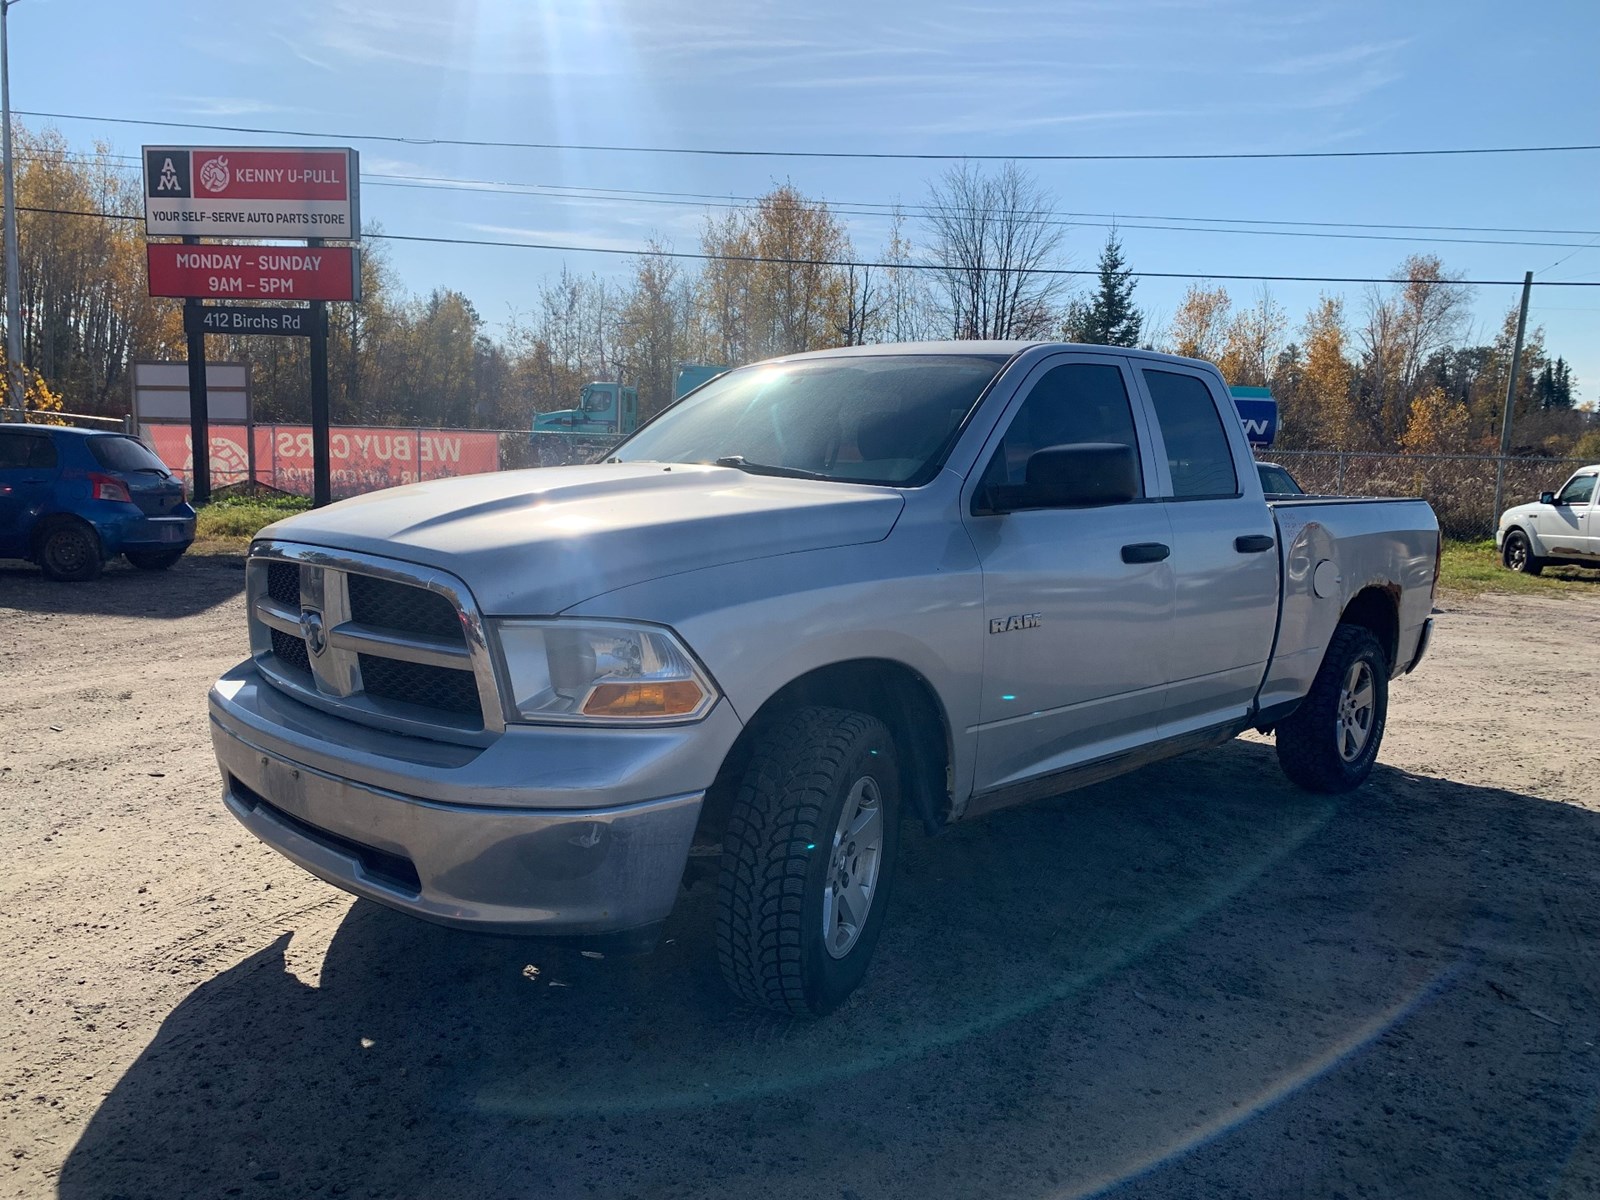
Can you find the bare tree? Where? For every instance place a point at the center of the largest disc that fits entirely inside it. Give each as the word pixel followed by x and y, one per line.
pixel 864 315
pixel 909 309
pixel 1421 315
pixel 989 242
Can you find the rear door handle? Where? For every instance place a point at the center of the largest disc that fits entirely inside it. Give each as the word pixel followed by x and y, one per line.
pixel 1254 543
pixel 1145 552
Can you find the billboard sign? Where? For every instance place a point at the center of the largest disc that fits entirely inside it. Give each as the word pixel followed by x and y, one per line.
pixel 252 192
pixel 161 392
pixel 1258 411
pixel 254 272
pixel 233 318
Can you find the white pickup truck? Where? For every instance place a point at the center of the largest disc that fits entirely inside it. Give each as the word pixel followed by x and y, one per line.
pixel 814 598
pixel 1562 529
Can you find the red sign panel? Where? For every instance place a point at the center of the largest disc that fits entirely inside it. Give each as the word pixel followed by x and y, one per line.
pixel 254 272
pixel 271 174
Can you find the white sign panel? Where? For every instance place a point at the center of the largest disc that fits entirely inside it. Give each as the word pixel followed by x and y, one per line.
pixel 252 192
pixel 161 392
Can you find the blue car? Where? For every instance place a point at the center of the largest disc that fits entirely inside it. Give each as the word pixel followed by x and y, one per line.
pixel 72 499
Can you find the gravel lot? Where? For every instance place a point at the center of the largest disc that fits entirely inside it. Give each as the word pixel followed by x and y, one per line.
pixel 1192 982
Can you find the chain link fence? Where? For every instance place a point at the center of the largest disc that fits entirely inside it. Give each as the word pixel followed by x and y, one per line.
pixel 1461 487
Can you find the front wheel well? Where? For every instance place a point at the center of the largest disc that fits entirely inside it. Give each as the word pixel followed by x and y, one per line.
pixel 891 691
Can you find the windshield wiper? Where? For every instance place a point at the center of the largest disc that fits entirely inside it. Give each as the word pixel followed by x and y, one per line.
pixel 740 462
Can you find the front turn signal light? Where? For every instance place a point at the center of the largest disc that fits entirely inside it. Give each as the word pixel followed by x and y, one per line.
pixel 674 699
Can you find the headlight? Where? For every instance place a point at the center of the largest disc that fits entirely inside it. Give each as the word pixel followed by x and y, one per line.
pixel 603 671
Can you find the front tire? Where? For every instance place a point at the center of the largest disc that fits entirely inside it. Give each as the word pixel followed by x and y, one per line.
pixel 1331 742
pixel 807 860
pixel 70 551
pixel 1517 554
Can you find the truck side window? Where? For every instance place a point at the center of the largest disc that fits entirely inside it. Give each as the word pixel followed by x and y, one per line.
pixel 1198 453
pixel 1578 491
pixel 1075 402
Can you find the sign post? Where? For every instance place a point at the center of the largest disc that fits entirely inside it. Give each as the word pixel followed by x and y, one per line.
pixel 262 194
pixel 321 472
pixel 199 418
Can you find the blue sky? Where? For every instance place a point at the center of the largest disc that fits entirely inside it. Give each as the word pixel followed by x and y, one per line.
pixel 1075 76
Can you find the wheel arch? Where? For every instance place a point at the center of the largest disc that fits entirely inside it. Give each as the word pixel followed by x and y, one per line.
pixel 1377 608
pixel 54 520
pixel 1525 531
pixel 897 694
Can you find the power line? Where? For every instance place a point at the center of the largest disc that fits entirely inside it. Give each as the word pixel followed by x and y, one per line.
pixel 702 256
pixel 741 204
pixel 889 207
pixel 878 208
pixel 483 143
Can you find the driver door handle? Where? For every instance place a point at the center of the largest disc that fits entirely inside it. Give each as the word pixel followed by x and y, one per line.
pixel 1254 543
pixel 1145 552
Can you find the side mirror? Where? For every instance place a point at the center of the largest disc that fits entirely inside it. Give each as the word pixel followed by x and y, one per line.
pixel 1547 497
pixel 1083 475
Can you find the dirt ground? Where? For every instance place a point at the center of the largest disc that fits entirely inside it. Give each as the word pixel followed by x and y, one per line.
pixel 1192 982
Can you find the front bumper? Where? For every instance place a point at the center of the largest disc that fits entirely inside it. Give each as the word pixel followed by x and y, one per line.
pixel 581 867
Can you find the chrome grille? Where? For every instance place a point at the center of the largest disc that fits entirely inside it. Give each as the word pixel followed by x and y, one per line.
pixel 291 651
pixel 283 583
pixel 378 641
pixel 384 604
pixel 418 683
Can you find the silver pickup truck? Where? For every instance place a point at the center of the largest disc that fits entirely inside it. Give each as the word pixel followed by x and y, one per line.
pixel 814 598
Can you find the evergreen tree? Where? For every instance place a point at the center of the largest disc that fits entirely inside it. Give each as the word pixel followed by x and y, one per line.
pixel 1109 318
pixel 1560 385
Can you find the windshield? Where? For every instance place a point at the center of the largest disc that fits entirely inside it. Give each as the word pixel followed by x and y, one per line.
pixel 883 419
pixel 118 453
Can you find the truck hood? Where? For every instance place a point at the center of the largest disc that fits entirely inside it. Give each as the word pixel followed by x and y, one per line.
pixel 532 543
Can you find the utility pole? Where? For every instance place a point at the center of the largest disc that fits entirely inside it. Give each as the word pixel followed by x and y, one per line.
pixel 14 387
pixel 1511 397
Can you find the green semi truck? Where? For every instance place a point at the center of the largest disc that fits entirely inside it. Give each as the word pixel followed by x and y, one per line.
pixel 606 413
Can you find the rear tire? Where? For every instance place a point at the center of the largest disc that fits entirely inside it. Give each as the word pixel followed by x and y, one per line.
pixel 154 560
pixel 1331 741
pixel 70 550
pixel 807 860
pixel 1517 554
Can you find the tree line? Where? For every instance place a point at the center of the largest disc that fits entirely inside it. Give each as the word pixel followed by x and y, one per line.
pixel 1395 368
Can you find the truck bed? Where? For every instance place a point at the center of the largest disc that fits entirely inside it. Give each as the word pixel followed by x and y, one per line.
pixel 1332 548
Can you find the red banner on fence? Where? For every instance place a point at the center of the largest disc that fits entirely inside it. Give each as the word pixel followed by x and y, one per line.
pixel 363 458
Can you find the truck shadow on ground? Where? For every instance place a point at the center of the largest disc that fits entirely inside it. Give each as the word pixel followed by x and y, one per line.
pixel 1195 981
pixel 192 585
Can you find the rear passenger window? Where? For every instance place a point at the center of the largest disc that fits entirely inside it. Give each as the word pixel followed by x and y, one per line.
pixel 1198 453
pixel 1075 402
pixel 26 450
